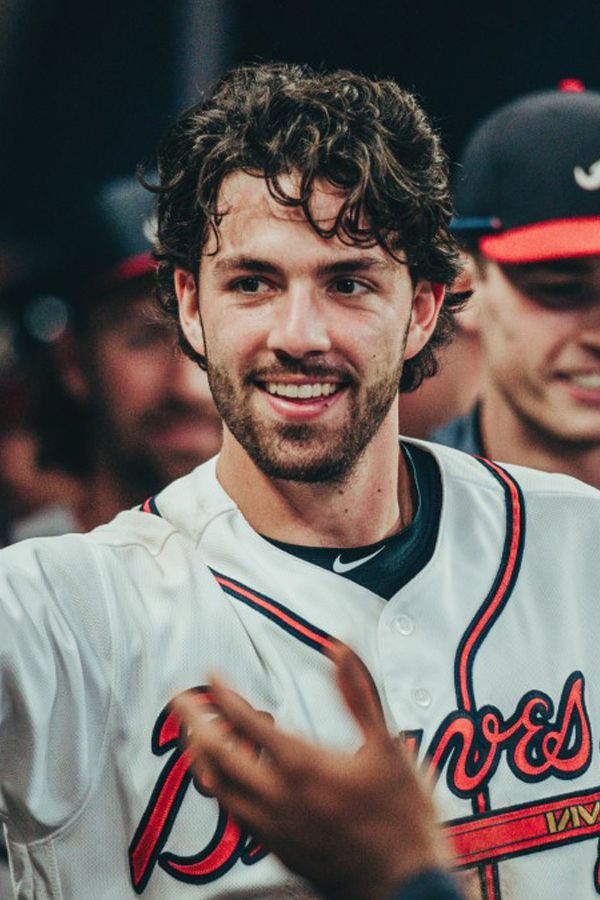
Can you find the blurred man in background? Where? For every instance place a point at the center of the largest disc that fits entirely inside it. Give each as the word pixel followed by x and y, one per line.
pixel 528 207
pixel 456 385
pixel 134 413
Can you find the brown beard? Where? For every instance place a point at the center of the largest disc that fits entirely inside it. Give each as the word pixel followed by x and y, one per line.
pixel 307 452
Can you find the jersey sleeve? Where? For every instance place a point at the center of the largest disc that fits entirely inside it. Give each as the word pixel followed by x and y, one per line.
pixel 55 681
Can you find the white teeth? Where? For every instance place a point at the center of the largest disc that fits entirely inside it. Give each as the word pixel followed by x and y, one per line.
pixel 590 381
pixel 302 391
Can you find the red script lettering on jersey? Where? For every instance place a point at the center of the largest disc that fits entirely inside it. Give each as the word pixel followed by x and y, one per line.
pixel 470 744
pixel 229 842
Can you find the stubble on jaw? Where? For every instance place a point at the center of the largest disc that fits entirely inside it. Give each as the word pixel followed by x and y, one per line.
pixel 308 453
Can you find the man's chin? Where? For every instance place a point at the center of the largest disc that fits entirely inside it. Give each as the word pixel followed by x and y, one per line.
pixel 306 469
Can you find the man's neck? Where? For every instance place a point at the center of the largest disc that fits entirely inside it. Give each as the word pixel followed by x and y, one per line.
pixel 376 500
pixel 508 438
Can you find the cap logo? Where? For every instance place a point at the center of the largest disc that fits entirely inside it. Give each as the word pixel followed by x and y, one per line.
pixel 150 228
pixel 588 180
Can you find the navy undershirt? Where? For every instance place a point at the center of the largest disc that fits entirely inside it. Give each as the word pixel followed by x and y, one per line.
pixel 396 559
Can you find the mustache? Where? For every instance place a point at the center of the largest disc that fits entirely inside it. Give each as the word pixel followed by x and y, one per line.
pixel 299 367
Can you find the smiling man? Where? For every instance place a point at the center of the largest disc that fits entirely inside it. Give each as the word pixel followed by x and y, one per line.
pixel 288 328
pixel 304 249
pixel 528 201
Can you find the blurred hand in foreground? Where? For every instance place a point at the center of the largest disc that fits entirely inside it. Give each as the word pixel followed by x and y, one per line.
pixel 357 825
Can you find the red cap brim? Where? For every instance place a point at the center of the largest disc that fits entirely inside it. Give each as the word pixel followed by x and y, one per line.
pixel 126 270
pixel 557 239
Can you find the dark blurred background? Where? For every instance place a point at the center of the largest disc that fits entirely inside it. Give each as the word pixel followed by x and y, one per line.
pixel 86 88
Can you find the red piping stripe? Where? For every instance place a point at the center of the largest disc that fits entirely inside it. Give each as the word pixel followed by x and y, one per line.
pixel 490 885
pixel 498 596
pixel 274 611
pixel 488 870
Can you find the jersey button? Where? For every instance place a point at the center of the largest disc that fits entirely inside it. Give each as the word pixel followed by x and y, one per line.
pixel 422 697
pixel 404 625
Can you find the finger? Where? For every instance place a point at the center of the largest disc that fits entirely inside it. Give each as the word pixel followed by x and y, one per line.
pixel 358 690
pixel 217 755
pixel 236 789
pixel 224 706
pixel 194 710
pixel 256 726
pixel 249 812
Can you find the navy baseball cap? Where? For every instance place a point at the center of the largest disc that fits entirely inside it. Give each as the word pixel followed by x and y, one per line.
pixel 120 232
pixel 528 188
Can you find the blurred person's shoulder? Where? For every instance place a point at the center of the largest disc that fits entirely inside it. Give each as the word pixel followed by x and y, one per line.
pixel 103 586
pixel 177 514
pixel 473 469
pixel 50 520
pixel 462 433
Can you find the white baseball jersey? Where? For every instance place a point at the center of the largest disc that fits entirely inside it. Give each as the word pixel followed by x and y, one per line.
pixel 488 660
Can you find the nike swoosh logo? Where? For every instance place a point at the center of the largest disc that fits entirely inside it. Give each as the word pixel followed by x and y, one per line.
pixel 590 180
pixel 340 567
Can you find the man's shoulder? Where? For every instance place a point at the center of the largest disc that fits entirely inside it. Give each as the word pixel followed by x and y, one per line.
pixel 182 510
pixel 82 554
pixel 151 547
pixel 39 550
pixel 463 434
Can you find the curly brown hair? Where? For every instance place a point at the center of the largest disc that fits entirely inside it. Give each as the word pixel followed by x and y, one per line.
pixel 369 138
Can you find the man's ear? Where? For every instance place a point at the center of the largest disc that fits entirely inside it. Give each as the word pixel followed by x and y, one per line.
pixel 189 311
pixel 427 302
pixel 69 358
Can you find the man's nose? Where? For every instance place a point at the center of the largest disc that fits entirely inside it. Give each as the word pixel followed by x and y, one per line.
pixel 299 324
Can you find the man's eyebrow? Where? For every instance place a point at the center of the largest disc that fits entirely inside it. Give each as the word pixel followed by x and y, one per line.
pixel 247 263
pixel 353 264
pixel 344 266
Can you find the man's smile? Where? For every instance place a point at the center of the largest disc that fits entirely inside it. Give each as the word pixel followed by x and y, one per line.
pixel 302 391
pixel 301 400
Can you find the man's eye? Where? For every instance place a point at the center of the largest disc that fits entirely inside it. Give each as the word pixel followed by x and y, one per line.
pixel 559 288
pixel 349 286
pixel 567 295
pixel 249 285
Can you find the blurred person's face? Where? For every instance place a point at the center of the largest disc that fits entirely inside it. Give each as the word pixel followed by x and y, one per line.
pixel 154 410
pixel 540 334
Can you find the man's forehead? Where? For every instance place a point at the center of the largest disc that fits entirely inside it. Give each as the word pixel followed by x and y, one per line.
pixel 248 194
pixel 254 223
